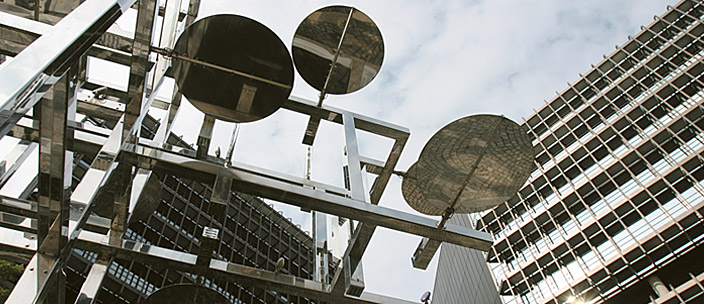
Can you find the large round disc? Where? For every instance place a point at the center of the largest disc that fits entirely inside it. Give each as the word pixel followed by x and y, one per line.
pixel 187 294
pixel 472 164
pixel 315 48
pixel 248 72
pixel 411 193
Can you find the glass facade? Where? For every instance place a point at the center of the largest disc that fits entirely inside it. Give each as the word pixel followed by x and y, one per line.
pixel 254 234
pixel 616 197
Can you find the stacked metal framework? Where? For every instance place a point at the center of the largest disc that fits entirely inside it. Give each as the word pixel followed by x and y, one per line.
pixel 255 235
pixel 614 211
pixel 119 201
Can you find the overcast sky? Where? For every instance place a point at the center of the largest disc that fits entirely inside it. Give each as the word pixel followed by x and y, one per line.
pixel 444 60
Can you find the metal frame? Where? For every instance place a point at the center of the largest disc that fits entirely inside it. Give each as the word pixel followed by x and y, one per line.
pixel 95 215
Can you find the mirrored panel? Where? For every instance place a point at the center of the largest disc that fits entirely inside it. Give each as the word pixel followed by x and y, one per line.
pixel 233 68
pixel 338 50
pixel 470 165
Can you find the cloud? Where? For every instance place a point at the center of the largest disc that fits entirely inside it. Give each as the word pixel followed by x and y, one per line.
pixel 444 60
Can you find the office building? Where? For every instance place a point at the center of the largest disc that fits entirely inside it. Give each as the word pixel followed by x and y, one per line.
pixel 614 210
pixel 254 234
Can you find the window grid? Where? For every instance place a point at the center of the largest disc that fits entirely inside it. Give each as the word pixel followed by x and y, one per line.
pixel 640 112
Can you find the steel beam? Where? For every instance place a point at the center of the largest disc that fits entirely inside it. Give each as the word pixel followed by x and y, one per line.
pixel 91 286
pixel 218 269
pixel 146 16
pixel 364 231
pixel 424 253
pixel 257 183
pixel 24 80
pixel 15 159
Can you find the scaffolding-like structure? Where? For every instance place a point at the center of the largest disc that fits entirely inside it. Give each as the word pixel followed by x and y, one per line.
pixel 44 88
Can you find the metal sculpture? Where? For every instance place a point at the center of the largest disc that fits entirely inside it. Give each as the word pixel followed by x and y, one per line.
pixel 231 68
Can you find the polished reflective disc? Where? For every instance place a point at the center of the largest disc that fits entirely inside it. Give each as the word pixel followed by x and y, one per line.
pixel 473 163
pixel 411 193
pixel 233 68
pixel 341 35
pixel 186 294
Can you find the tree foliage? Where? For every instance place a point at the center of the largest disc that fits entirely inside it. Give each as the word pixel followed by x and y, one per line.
pixel 9 274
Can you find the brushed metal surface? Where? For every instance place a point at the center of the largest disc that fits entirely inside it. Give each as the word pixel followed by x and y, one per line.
pixel 472 164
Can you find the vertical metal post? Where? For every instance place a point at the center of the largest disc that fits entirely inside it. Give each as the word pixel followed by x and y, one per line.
pixel 44 279
pixel 354 170
pixel 354 180
pixel 164 130
pixel 319 226
pixel 55 171
pixel 167 39
pixel 146 16
pixel 206 133
pixel 144 178
pixel 320 235
pixel 118 192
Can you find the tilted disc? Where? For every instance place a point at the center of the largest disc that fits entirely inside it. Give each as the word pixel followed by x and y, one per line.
pixel 411 193
pixel 187 294
pixel 242 70
pixel 356 62
pixel 472 164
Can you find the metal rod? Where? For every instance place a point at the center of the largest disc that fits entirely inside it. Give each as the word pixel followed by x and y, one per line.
pixel 334 59
pixel 171 54
pixel 450 210
pixel 233 141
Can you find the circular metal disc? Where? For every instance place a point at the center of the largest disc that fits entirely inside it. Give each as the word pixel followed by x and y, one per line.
pixel 248 72
pixel 315 48
pixel 411 193
pixel 474 163
pixel 187 294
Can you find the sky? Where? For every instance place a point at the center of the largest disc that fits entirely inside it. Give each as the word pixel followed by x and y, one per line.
pixel 444 60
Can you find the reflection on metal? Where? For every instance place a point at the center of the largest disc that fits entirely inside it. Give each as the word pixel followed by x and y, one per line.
pixel 233 68
pixel 25 79
pixel 338 50
pixel 470 165
pixel 14 159
pixel 186 294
